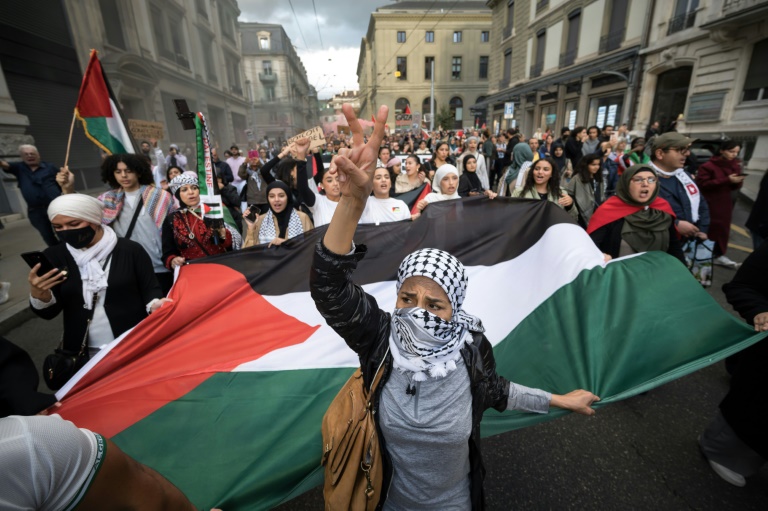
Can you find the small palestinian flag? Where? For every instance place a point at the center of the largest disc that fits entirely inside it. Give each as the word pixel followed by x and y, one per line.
pixel 224 389
pixel 97 110
pixel 212 208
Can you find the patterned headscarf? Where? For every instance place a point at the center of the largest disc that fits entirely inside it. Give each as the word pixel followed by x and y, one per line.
pixel 420 341
pixel 185 178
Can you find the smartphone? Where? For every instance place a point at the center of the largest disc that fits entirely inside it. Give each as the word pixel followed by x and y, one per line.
pixel 253 212
pixel 33 258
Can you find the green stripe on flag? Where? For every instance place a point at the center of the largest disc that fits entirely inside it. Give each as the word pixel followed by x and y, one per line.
pixel 257 434
pixel 97 131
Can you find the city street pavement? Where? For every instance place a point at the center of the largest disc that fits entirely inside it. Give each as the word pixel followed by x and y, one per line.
pixel 640 453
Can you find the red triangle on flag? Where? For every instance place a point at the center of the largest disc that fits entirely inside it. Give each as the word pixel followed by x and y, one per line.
pixel 206 208
pixel 407 110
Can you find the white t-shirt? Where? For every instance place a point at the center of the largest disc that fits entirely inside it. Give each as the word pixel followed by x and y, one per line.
pixel 48 463
pixel 384 210
pixel 322 211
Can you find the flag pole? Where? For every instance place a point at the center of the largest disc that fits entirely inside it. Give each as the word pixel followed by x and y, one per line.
pixel 69 142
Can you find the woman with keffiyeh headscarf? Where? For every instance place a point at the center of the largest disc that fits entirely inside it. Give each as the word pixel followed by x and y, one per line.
pixel 438 369
pixel 97 275
pixel 187 234
pixel 636 219
pixel 280 223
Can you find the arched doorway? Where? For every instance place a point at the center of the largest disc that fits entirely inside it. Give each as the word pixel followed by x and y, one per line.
pixel 480 114
pixel 671 96
pixel 457 111
pixel 401 104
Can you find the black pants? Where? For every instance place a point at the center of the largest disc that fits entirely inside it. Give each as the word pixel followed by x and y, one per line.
pixel 38 217
pixel 165 280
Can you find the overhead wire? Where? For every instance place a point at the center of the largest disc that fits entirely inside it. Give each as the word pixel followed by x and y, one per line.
pixel 317 23
pixel 298 25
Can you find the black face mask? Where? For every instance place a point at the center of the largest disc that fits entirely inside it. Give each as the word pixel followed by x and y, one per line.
pixel 77 238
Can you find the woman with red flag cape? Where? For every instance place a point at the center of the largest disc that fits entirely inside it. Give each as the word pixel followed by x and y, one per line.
pixel 636 219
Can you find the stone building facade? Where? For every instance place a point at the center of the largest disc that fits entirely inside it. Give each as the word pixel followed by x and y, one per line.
pixel 401 42
pixel 704 67
pixel 284 102
pixel 564 62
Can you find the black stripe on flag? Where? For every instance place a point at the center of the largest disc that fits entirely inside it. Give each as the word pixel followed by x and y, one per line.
pixel 476 230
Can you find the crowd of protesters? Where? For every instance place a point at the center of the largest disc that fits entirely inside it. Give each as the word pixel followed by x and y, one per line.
pixel 630 194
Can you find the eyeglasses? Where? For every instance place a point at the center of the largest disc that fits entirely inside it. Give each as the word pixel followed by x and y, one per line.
pixel 682 150
pixel 638 180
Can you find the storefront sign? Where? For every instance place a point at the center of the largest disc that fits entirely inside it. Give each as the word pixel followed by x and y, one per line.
pixel 144 130
pixel 612 114
pixel 601 117
pixel 509 110
pixel 572 119
pixel 705 107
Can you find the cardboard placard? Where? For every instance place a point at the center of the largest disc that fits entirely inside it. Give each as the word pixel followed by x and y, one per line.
pixel 144 130
pixel 315 136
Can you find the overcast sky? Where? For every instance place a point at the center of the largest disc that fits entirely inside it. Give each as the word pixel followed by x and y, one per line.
pixel 343 24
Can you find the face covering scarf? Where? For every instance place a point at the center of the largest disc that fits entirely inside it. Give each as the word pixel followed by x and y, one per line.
pixel 421 342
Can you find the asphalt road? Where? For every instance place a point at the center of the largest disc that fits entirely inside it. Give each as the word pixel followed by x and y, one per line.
pixel 636 454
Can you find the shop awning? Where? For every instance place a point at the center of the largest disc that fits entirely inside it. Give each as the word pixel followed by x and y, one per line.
pixel 593 67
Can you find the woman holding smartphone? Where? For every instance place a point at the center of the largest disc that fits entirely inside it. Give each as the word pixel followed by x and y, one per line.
pixel 107 278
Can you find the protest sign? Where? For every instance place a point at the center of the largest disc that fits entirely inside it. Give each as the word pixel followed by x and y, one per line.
pixel 144 130
pixel 315 136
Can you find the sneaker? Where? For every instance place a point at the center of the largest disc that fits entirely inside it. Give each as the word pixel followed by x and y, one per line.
pixel 5 289
pixel 728 263
pixel 726 474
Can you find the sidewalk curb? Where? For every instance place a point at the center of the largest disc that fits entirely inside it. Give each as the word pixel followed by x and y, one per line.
pixel 15 316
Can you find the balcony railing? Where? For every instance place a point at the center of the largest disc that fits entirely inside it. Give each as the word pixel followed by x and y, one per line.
pixel 541 5
pixel 681 22
pixel 267 77
pixel 611 41
pixel 567 58
pixel 536 69
pixel 507 31
pixel 236 89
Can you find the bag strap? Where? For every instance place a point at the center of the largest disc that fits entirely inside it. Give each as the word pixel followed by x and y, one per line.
pixel 95 299
pixel 135 217
pixel 379 373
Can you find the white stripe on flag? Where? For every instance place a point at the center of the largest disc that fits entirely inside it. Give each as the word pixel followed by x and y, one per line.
pixel 501 295
pixel 117 128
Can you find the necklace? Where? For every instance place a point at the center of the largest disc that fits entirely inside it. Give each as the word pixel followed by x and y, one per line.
pixel 191 234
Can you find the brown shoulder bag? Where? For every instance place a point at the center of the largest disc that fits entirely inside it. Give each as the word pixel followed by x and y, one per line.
pixel 351 455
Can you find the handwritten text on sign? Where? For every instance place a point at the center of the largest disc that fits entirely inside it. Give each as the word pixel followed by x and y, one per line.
pixel 315 136
pixel 144 130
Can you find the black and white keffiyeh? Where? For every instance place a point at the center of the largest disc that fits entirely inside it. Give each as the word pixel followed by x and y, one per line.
pixel 267 230
pixel 420 341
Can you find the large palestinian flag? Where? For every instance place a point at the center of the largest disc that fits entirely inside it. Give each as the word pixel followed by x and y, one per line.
pixel 98 112
pixel 224 390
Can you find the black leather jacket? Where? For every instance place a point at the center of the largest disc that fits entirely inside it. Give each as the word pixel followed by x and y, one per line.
pixel 356 317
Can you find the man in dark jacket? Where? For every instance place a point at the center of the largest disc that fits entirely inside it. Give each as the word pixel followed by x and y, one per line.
pixel 736 442
pixel 37 180
pixel 222 168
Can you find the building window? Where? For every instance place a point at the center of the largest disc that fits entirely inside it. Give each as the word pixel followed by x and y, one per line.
pixel 233 74
pixel 684 16
pixel 485 36
pixel 426 107
pixel 457 111
pixel 402 68
pixel 210 63
pixel 169 36
pixel 457 36
pixel 507 68
pixel 269 93
pixel 428 61
pixel 572 43
pixel 756 83
pixel 456 68
pixel 113 26
pixel 541 43
pixel 273 117
pixel 616 26
pixel 266 67
pixel 401 104
pixel 483 72
pixel 225 21
pixel 430 36
pixel 401 36
pixel 263 43
pixel 510 19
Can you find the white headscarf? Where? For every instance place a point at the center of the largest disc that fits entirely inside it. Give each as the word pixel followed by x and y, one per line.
pixel 438 194
pixel 420 341
pixel 88 260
